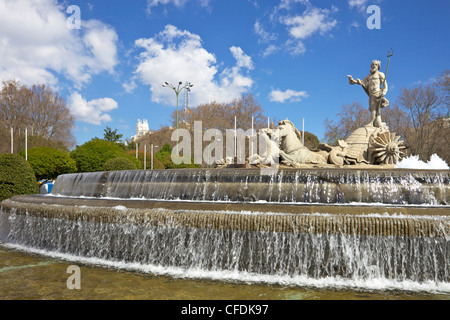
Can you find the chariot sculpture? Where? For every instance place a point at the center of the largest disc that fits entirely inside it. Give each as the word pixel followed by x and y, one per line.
pixel 372 144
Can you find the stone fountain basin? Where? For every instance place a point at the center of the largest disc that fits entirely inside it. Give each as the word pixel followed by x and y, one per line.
pixel 377 220
pixel 319 223
pixel 321 186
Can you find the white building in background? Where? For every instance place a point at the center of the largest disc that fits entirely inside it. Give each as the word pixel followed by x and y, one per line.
pixel 141 129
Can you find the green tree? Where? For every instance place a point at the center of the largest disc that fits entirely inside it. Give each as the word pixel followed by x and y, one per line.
pixel 16 176
pixel 93 155
pixel 112 135
pixel 157 165
pixel 49 163
pixel 165 157
pixel 311 140
pixel 120 163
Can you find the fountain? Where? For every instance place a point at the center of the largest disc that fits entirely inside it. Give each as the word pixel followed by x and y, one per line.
pixel 315 223
pixel 340 215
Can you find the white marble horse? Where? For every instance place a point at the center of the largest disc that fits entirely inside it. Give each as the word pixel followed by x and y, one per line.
pixel 284 144
pixel 292 151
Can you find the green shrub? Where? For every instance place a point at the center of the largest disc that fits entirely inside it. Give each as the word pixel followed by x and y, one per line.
pixel 117 164
pixel 93 155
pixel 16 177
pixel 311 140
pixel 165 157
pixel 49 163
pixel 157 165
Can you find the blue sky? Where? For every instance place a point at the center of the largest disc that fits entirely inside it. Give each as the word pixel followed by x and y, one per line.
pixel 293 55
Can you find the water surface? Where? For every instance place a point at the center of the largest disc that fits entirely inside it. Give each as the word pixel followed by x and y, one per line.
pixel 26 276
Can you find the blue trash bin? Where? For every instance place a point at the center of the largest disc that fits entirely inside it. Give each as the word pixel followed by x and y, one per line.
pixel 50 186
pixel 45 187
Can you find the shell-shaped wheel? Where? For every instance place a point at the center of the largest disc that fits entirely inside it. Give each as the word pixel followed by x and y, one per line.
pixel 387 148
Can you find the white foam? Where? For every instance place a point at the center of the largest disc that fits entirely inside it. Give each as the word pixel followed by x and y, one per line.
pixel 413 162
pixel 375 283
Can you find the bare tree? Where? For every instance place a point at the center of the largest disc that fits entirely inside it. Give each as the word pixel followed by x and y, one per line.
pixel 50 117
pixel 14 104
pixel 397 120
pixel 213 115
pixel 352 117
pixel 4 140
pixel 427 128
pixel 443 85
pixel 38 109
pixel 222 115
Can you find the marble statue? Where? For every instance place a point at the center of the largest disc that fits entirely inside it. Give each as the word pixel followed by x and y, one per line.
pixel 285 143
pixel 376 87
pixel 292 151
pixel 372 144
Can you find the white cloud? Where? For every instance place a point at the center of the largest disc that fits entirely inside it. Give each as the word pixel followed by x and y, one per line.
pixel 312 21
pixel 176 55
pixel 130 86
pixel 287 4
pixel 354 25
pixel 177 3
pixel 155 3
pixel 242 60
pixel 37 47
pixel 271 49
pixel 94 111
pixel 295 47
pixel 263 36
pixel 358 4
pixel 301 27
pixel 288 95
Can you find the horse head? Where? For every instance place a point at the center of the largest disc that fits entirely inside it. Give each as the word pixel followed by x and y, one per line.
pixel 290 137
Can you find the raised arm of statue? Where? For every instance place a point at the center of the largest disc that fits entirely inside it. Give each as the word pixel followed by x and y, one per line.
pixel 353 81
pixel 362 83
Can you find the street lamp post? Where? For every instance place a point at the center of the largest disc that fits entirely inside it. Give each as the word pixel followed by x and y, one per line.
pixel 145 157
pixel 152 153
pixel 177 90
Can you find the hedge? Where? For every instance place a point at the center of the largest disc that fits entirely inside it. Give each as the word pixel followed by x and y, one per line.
pixel 117 164
pixel 49 163
pixel 16 176
pixel 92 155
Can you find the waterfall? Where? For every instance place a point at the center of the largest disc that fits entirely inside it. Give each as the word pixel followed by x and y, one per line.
pixel 284 245
pixel 400 187
pixel 290 226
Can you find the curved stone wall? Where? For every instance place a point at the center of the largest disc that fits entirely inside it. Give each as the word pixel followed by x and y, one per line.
pixel 364 224
pixel 250 185
pixel 316 245
pixel 288 223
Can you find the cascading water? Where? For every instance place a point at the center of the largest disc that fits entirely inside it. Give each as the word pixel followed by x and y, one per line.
pixel 410 244
pixel 296 186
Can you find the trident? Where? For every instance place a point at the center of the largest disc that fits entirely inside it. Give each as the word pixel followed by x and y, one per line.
pixel 389 55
